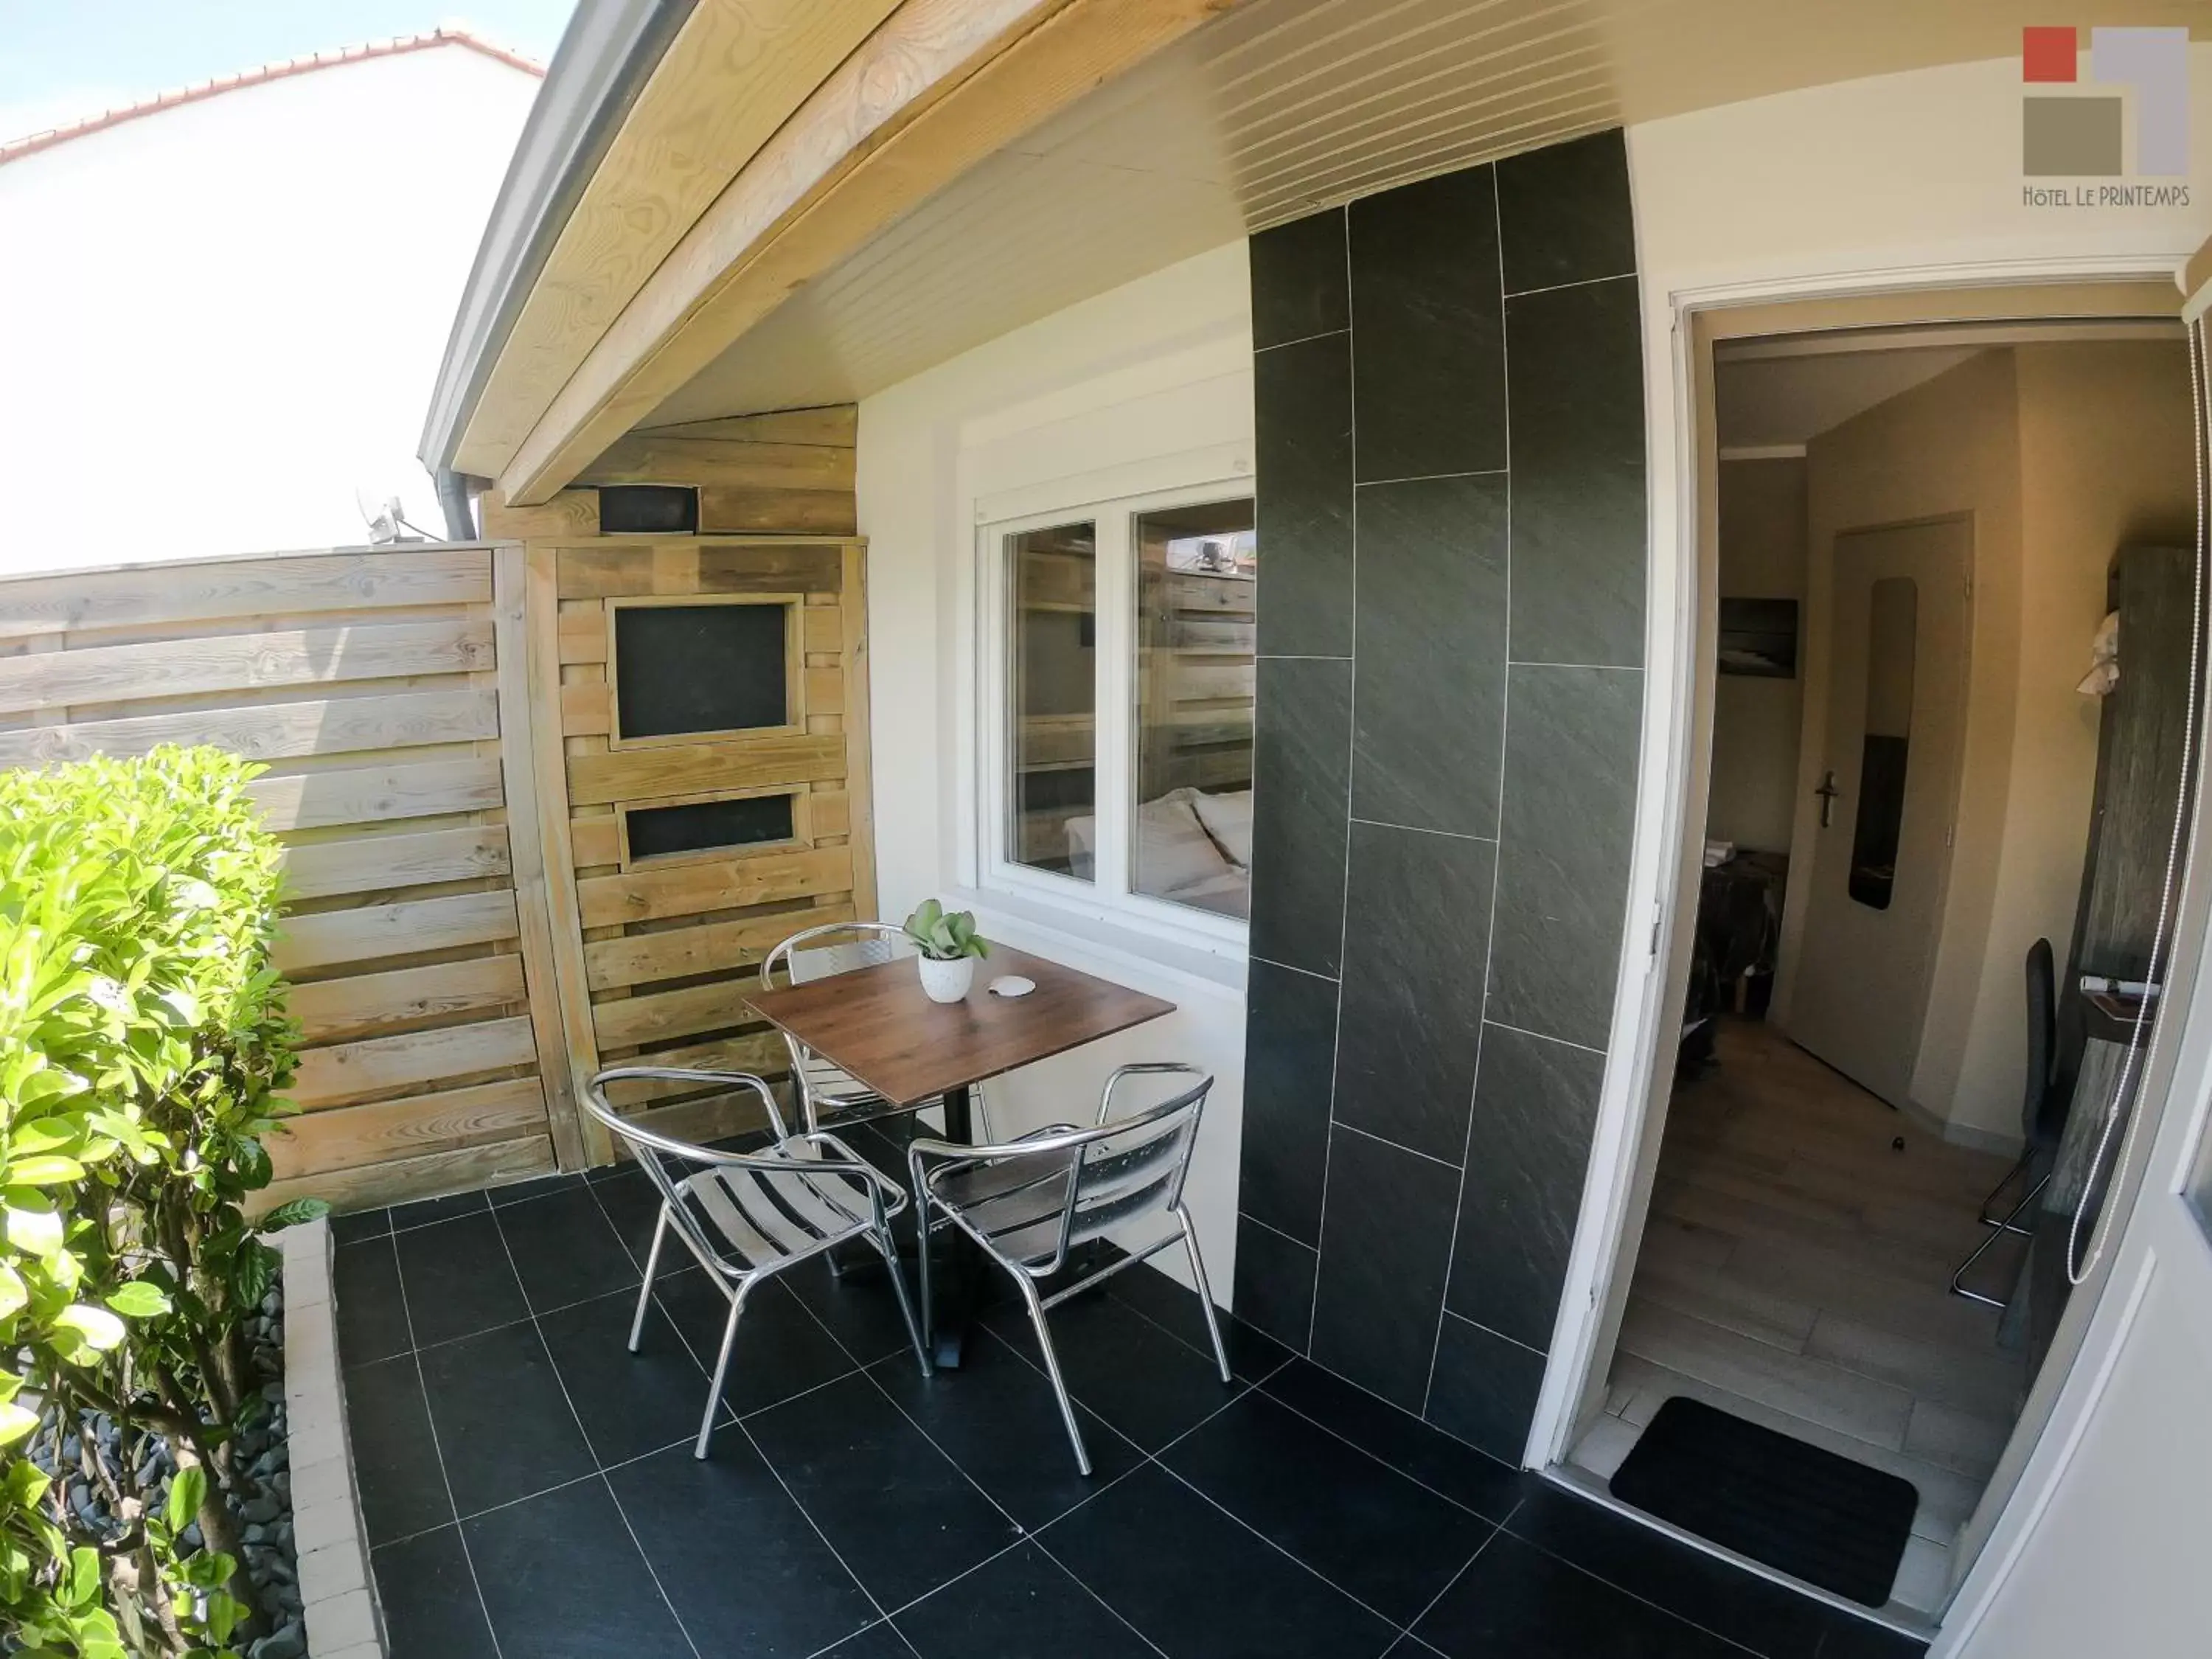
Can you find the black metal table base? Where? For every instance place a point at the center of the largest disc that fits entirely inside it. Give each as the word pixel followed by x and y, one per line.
pixel 955 1264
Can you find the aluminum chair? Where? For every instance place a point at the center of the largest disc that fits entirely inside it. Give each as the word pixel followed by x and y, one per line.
pixel 1029 1202
pixel 749 1216
pixel 2042 1122
pixel 827 1091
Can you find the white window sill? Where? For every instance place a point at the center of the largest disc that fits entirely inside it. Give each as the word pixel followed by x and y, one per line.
pixel 1142 949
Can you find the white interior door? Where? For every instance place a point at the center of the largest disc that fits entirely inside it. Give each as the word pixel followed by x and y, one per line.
pixel 1888 784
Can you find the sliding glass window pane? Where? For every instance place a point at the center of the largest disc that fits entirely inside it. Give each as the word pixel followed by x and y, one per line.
pixel 1198 577
pixel 1893 633
pixel 1053 794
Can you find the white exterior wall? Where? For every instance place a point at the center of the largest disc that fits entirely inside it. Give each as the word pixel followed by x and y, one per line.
pixel 1148 386
pixel 1883 182
pixel 219 321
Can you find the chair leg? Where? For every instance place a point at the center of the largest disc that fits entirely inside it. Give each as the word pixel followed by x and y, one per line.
pixel 1957 1279
pixel 889 1246
pixel 2019 1168
pixel 645 1290
pixel 1205 1290
pixel 721 1370
pixel 1052 1369
pixel 928 1301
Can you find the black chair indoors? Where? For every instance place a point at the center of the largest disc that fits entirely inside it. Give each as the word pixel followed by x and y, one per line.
pixel 2043 1120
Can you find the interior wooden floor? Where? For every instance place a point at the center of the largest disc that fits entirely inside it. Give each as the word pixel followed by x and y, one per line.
pixel 1794 1272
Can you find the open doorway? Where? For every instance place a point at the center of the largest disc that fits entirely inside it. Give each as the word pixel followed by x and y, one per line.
pixel 1923 762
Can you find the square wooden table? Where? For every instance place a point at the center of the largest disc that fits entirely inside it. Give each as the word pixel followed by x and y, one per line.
pixel 878 1023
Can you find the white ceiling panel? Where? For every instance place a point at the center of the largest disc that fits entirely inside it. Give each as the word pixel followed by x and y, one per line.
pixel 1282 107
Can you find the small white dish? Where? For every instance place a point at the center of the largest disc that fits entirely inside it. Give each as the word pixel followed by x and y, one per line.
pixel 1011 985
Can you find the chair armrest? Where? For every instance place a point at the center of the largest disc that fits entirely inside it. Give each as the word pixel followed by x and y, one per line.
pixel 1054 1137
pixel 602 1109
pixel 951 1156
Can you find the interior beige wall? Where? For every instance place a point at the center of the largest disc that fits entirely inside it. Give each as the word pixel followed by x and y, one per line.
pixel 1949 446
pixel 2063 453
pixel 1755 720
pixel 2104 439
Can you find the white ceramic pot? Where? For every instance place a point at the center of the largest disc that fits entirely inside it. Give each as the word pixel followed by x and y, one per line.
pixel 946 981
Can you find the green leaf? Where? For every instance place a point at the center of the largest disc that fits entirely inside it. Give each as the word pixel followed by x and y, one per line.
pixel 252 1165
pixel 47 1170
pixel 210 1570
pixel 295 1213
pixel 31 1224
pixel 139 1300
pixel 25 1483
pixel 15 1423
pixel 65 1270
pixel 82 1581
pixel 100 1329
pixel 50 1135
pixel 252 1270
pixel 224 1614
pixel 12 1296
pixel 187 1491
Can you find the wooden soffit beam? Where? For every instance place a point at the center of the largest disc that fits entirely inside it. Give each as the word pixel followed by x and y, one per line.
pixel 938 87
pixel 734 75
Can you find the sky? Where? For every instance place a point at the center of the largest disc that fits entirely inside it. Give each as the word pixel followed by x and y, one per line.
pixel 61 60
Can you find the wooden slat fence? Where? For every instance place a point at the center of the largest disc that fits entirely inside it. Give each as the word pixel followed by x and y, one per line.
pixel 375 684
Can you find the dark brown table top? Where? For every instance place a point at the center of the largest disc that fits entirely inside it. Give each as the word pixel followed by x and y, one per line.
pixel 879 1025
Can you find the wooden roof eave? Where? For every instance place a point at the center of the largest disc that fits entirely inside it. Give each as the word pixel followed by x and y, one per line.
pixel 607 53
pixel 709 208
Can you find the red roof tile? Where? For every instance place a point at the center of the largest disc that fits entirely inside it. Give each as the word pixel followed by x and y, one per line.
pixel 254 77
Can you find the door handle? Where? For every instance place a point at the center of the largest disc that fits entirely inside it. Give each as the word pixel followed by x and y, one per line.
pixel 1827 792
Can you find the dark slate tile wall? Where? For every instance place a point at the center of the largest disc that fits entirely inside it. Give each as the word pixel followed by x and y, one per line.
pixel 1449 381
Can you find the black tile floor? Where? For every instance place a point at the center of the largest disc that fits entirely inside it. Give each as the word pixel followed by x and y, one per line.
pixel 530 1492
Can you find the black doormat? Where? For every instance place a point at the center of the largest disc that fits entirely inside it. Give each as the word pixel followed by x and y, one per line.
pixel 1799 1508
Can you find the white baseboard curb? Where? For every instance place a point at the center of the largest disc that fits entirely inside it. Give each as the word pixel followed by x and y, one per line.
pixel 343 1620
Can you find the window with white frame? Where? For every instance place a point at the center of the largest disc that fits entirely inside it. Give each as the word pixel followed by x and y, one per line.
pixel 1117 706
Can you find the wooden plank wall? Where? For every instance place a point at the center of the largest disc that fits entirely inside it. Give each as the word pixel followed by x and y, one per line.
pixel 657 952
pixel 787 473
pixel 371 683
pixel 654 955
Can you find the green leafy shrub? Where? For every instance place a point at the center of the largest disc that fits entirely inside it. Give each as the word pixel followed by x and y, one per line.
pixel 143 1045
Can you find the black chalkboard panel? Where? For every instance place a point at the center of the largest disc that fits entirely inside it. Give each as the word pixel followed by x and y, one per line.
pixel 683 668
pixel 653 509
pixel 698 826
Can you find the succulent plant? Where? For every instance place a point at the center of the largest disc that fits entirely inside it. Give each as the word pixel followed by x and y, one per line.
pixel 945 935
